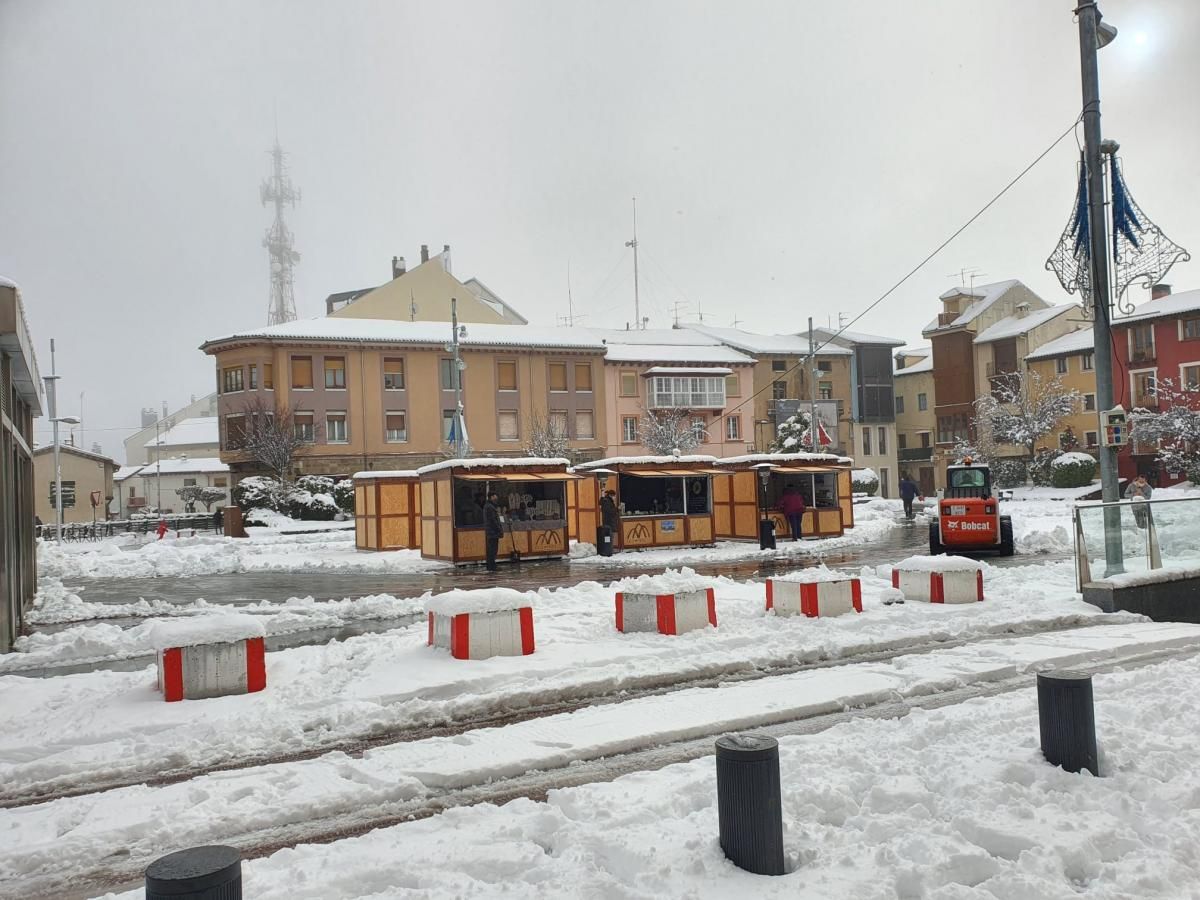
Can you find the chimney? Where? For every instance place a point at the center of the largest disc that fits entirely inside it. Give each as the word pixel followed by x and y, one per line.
pixel 1159 291
pixel 446 257
pixel 398 266
pixel 164 409
pixel 1022 310
pixel 424 253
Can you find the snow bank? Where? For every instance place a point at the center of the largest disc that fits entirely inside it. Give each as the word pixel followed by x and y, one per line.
pixel 671 581
pixel 1174 571
pixel 864 475
pixel 219 628
pixel 941 564
pixel 814 574
pixel 455 603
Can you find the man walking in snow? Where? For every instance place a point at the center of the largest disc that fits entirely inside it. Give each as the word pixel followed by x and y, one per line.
pixel 908 492
pixel 493 528
pixel 791 504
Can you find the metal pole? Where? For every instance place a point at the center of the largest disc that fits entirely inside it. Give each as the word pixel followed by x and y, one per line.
pixel 458 404
pixel 158 467
pixel 52 398
pixel 814 429
pixel 637 303
pixel 1089 18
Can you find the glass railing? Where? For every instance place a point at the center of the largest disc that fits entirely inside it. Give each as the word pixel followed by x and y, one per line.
pixel 1135 536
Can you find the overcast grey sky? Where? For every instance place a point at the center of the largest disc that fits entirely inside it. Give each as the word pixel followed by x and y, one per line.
pixel 789 159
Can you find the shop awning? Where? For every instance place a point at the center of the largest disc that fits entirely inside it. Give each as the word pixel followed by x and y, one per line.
pixel 805 470
pixel 519 476
pixel 674 473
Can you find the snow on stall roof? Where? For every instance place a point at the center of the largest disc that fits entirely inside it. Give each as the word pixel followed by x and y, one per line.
pixel 783 457
pixel 751 342
pixel 455 603
pixel 9 283
pixel 197 430
pixel 218 628
pixel 1170 305
pixel 388 331
pixel 922 365
pixel 385 473
pixel 1080 341
pixel 640 460
pixel 1012 326
pixel 985 294
pixel 687 353
pixel 489 461
pixel 200 464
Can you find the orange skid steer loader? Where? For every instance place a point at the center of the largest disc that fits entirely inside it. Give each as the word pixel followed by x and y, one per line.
pixel 968 519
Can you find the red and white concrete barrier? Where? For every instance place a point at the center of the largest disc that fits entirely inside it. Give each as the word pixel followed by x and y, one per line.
pixel 813 598
pixel 481 624
pixel 210 656
pixel 939 579
pixel 666 613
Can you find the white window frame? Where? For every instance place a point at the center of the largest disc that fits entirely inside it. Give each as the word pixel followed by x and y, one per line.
pixel 1187 365
pixel 687 392
pixel 1087 362
pixel 1062 365
pixel 923 402
pixel 629 436
pixel 311 436
pixel 733 428
pixel 387 434
pixel 1086 408
pixel 516 419
pixel 579 435
pixel 1091 439
pixel 329 438
pixel 1133 374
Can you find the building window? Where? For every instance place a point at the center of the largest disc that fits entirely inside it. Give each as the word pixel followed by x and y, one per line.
pixel 1060 365
pixel 302 373
pixel 68 497
pixel 899 405
pixel 254 378
pixel 1189 377
pixel 779 365
pixel 866 441
pixel 882 441
pixel 922 402
pixel 558 422
pixel 825 389
pixel 1142 343
pixel 556 374
pixel 699 430
pixel 447 424
pixel 395 428
pixel 393 374
pixel 778 390
pixel 304 427
pixel 1089 402
pixel 687 392
pixel 1190 329
pixel 219 481
pixel 629 429
pixel 235 431
pixel 824 365
pixel 1091 438
pixel 902 442
pixel 733 428
pixel 268 376
pixel 449 376
pixel 1088 362
pixel 585 428
pixel 507 425
pixel 733 385
pixel 231 380
pixel 189 482
pixel 335 372
pixel 506 375
pixel 629 384
pixel 335 428
pixel 884 486
pixel 583 376
pixel 1143 389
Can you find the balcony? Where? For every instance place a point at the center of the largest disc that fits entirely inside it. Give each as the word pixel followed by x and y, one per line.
pixel 1146 401
pixel 1142 355
pixel 915 454
pixel 947 318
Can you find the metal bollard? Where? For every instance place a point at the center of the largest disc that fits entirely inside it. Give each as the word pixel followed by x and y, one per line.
pixel 604 541
pixel 198 873
pixel 766 534
pixel 748 802
pixel 1067 719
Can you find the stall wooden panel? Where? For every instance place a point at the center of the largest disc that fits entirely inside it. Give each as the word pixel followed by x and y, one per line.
pixel 583 508
pixel 363 529
pixel 637 533
pixel 700 529
pixel 397 533
pixel 471 544
pixel 429 524
pixel 670 531
pixel 845 498
pixel 829 521
pixel 735 505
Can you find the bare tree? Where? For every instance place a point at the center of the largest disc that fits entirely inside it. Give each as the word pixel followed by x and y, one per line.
pixel 270 436
pixel 665 431
pixel 1021 409
pixel 545 440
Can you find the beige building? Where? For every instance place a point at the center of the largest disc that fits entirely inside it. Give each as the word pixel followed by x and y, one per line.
pixel 423 294
pixel 915 417
pixel 380 394
pixel 1070 358
pixel 86 477
pixel 139 446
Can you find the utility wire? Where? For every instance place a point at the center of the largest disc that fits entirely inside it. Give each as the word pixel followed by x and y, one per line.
pixel 913 271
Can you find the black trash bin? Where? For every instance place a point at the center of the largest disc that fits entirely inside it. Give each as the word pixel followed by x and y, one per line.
pixel 200 873
pixel 766 534
pixel 604 540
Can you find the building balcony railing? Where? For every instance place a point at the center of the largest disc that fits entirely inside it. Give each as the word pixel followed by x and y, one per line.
pixel 994 370
pixel 687 401
pixel 1146 401
pixel 947 318
pixel 1142 355
pixel 914 454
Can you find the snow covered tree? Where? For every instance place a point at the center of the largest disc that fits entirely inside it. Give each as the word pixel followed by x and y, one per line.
pixel 343 495
pixel 1174 427
pixel 792 435
pixel 1022 408
pixel 272 438
pixel 667 431
pixel 546 440
pixel 193 494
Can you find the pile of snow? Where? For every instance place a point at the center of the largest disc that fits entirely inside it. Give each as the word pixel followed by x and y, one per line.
pixel 671 581
pixel 815 574
pixel 940 564
pixel 866 476
pixel 455 603
pixel 581 549
pixel 219 628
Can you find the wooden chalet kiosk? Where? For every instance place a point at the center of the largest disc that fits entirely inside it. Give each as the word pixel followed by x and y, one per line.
pixel 387 510
pixel 533 501
pixel 665 501
pixel 740 499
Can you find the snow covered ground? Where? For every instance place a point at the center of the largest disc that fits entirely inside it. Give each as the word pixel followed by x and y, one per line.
pixel 946 803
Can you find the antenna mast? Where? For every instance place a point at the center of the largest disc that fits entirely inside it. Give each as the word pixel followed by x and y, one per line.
pixel 637 303
pixel 279 190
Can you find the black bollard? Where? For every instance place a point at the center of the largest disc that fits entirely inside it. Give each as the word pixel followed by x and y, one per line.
pixel 1067 718
pixel 199 873
pixel 604 541
pixel 748 803
pixel 766 535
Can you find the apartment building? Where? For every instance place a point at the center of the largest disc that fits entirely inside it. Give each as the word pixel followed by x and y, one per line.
pixel 1071 359
pixel 380 394
pixel 1159 342
pixel 20 404
pixel 780 385
pixel 680 369
pixel 87 483
pixel 916 420
pixel 140 446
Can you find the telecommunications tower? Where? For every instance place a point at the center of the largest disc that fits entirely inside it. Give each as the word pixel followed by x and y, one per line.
pixel 279 190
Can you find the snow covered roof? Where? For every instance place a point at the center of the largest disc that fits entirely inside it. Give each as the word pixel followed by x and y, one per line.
pixel 709 353
pixel 1170 305
pixel 125 471
pixel 688 370
pixel 78 451
pixel 201 465
pixel 493 461
pixel 388 331
pixel 853 337
pixel 921 365
pixel 750 342
pixel 783 457
pixel 1081 341
pixel 688 336
pixel 984 295
pixel 1012 326
pixel 642 460
pixel 190 432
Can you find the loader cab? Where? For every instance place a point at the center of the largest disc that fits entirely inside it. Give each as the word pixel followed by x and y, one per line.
pixel 968 480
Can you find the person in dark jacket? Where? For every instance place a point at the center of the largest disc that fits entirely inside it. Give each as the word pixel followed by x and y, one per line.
pixel 908 493
pixel 610 514
pixel 219 520
pixel 493 528
pixel 792 505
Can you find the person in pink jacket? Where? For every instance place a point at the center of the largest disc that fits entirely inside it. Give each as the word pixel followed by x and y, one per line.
pixel 791 504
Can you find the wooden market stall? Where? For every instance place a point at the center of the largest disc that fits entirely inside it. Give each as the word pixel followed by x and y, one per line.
pixel 583 508
pixel 387 511
pixel 533 502
pixel 822 479
pixel 664 501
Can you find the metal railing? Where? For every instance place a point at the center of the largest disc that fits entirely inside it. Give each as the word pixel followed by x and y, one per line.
pixel 1149 532
pixel 95 531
